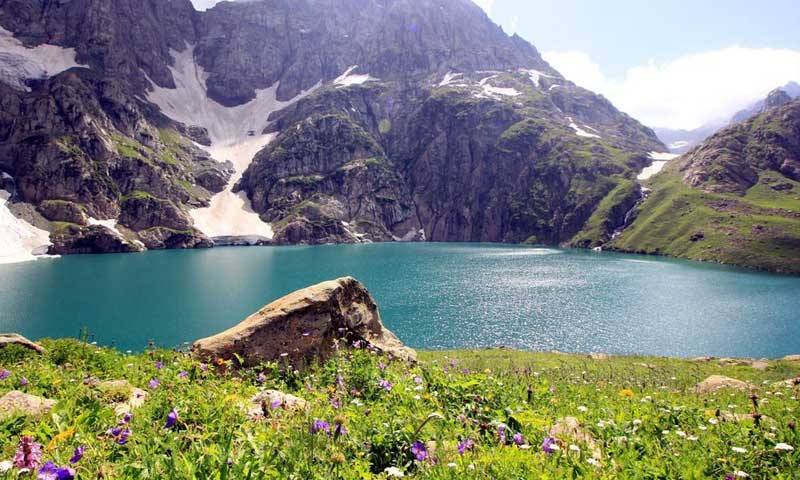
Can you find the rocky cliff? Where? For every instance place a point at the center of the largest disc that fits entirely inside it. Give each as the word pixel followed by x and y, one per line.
pixel 313 121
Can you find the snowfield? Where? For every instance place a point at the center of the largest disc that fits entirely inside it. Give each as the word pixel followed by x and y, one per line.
pixel 19 240
pixel 659 160
pixel 236 136
pixel 580 131
pixel 348 78
pixel 19 63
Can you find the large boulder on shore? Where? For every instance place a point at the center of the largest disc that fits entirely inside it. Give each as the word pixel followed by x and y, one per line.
pixel 15 339
pixel 303 327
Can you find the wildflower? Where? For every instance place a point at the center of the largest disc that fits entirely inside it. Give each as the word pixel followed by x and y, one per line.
pixel 465 445
pixel 637 422
pixel 261 378
pixel 23 382
pixel 451 465
pixel 29 454
pixel 382 366
pixel 394 472
pixel 320 426
pixel 4 374
pixel 519 439
pixel 417 379
pixel 740 474
pixel 276 404
pixel 501 432
pixel 583 409
pixel 76 457
pixel 739 450
pixel 52 472
pixel 626 393
pixel 6 465
pixel 159 365
pixel 172 419
pixel 336 403
pixel 593 461
pixel 574 448
pixel 338 458
pixel 183 374
pixel 785 447
pixel 419 451
pixel 713 421
pixel 385 384
pixel 549 445
pixel 120 435
pixel 126 419
pixel 154 383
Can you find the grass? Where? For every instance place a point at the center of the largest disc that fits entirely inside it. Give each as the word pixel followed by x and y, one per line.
pixel 641 413
pixel 600 226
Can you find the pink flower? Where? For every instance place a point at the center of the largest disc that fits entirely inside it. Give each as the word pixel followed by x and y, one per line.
pixel 29 454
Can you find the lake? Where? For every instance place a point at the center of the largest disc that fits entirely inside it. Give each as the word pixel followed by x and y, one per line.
pixel 433 296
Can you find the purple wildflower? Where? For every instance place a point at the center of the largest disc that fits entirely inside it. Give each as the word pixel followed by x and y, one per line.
pixel 548 444
pixel 183 374
pixel 465 445
pixel 4 374
pixel 172 419
pixel 126 419
pixel 729 477
pixel 519 439
pixel 501 432
pixel 382 366
pixel 417 379
pixel 120 435
pixel 52 472
pixel 29 454
pixel 276 404
pixel 204 367
pixel 336 403
pixel 154 383
pixel 340 381
pixel 452 363
pixel 385 384
pixel 159 365
pixel 419 451
pixel 23 382
pixel 76 457
pixel 320 426
pixel 261 378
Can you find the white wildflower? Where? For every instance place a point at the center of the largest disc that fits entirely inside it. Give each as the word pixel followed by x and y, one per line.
pixel 785 447
pixel 394 472
pixel 739 450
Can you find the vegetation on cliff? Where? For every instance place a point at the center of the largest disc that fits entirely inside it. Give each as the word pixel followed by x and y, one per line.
pixel 491 414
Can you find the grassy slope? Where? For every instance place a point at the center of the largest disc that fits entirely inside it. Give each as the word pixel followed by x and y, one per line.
pixel 754 231
pixel 382 424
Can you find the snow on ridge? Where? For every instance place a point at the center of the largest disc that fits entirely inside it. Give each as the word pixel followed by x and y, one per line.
pixel 448 78
pixel 581 132
pixel 536 77
pixel 19 240
pixel 236 136
pixel 506 92
pixel 347 78
pixel 19 63
pixel 663 156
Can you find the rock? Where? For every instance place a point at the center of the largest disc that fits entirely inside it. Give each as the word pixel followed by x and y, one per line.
pixel 75 239
pixel 15 339
pixel 717 382
pixel 598 356
pixel 571 427
pixel 302 326
pixel 792 382
pixel 121 395
pixel 19 402
pixel 791 358
pixel 761 364
pixel 703 359
pixel 263 401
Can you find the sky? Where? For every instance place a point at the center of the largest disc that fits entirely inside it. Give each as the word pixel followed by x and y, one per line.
pixel 680 64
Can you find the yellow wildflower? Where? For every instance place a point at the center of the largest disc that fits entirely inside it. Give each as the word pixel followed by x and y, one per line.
pixel 626 393
pixel 60 438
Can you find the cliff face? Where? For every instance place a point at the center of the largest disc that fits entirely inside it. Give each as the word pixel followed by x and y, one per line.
pixel 391 119
pixel 734 199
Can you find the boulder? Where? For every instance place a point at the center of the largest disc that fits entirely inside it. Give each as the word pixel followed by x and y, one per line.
pixel 791 358
pixel 264 401
pixel 599 356
pixel 121 395
pixel 19 402
pixel 14 339
pixel 571 428
pixel 304 326
pixel 718 382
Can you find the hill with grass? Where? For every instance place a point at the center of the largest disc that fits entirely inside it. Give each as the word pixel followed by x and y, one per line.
pixel 735 199
pixel 363 415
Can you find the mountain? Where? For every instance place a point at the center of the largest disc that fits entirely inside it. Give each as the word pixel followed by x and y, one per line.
pixel 735 199
pixel 681 141
pixel 130 125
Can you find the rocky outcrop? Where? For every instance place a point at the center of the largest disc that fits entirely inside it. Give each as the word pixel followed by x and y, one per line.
pixel 719 382
pixel 259 405
pixel 306 326
pixel 15 339
pixel 19 403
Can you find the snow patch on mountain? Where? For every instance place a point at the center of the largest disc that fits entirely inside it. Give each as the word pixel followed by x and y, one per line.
pixel 536 77
pixel 19 63
pixel 448 79
pixel 660 159
pixel 19 240
pixel 580 131
pixel 348 78
pixel 506 92
pixel 236 136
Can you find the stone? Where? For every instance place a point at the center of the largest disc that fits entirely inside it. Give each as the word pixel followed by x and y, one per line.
pixel 263 401
pixel 598 356
pixel 761 364
pixel 19 402
pixel 121 395
pixel 304 326
pixel 718 382
pixel 792 382
pixel 15 339
pixel 791 358
pixel 703 359
pixel 571 427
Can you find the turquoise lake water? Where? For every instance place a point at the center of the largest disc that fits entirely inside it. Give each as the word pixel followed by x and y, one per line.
pixel 433 296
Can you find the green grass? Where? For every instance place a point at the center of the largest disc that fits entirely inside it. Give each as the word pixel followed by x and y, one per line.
pixel 646 421
pixel 599 227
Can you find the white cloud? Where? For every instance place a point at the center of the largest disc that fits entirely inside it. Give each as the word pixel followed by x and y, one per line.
pixel 486 5
pixel 688 91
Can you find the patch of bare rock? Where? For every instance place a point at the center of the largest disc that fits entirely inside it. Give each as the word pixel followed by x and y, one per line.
pixel 719 382
pixel 15 339
pixel 16 402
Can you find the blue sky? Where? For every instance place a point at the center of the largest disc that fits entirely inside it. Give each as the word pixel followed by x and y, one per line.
pixel 678 64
